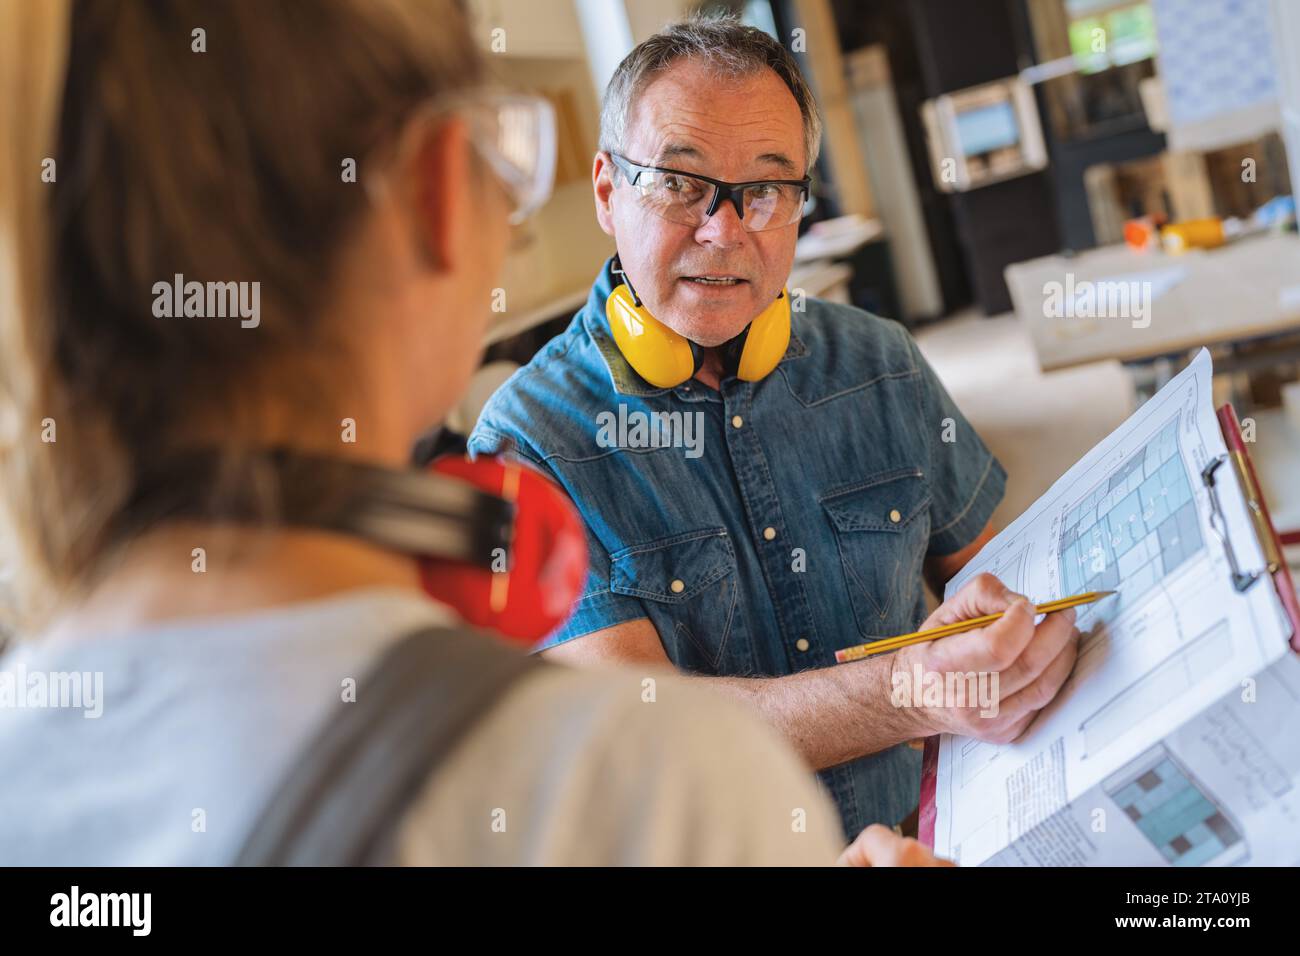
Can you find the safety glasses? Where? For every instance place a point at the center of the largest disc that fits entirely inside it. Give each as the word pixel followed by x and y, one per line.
pixel 513 133
pixel 690 199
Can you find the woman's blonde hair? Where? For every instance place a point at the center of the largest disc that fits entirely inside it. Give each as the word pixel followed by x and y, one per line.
pixel 140 141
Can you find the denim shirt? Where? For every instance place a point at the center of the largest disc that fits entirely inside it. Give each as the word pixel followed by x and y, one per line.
pixel 769 523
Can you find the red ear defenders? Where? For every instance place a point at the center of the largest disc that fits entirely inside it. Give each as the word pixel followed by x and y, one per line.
pixel 492 538
pixel 535 575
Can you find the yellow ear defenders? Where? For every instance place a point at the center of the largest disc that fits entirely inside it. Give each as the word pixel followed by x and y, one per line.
pixel 665 358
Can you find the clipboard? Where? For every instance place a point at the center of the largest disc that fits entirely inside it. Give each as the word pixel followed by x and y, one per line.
pixel 1275 570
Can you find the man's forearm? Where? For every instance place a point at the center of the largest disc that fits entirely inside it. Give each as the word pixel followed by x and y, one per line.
pixel 832 714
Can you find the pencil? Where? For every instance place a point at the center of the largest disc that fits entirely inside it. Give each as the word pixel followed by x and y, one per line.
pixel 957 627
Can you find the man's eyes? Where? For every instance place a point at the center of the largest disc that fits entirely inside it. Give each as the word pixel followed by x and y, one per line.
pixel 688 187
pixel 685 183
pixel 681 184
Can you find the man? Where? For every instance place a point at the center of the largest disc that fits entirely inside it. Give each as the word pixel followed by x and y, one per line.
pixel 808 501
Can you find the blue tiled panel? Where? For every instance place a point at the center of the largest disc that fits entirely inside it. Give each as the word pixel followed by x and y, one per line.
pixel 1216 56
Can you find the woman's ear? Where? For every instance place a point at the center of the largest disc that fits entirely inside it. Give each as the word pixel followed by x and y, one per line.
pixel 444 192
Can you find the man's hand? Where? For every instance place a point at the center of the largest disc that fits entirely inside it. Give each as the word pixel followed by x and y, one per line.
pixel 1031 662
pixel 880 846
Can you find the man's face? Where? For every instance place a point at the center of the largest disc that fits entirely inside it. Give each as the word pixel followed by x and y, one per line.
pixel 735 130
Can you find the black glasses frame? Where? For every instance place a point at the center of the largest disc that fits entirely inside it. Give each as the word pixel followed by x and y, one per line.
pixel 731 192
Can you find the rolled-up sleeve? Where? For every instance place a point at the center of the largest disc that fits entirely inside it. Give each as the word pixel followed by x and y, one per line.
pixel 599 607
pixel 966 481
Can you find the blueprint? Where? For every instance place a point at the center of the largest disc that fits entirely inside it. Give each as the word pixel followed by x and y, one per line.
pixel 1118 769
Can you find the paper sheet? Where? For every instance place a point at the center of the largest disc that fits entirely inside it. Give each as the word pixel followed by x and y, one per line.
pixel 1149 754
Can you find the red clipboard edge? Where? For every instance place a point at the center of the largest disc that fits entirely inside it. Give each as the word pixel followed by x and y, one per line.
pixel 929 781
pixel 1228 424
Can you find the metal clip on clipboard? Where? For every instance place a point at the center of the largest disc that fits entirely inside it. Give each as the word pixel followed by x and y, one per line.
pixel 1241 580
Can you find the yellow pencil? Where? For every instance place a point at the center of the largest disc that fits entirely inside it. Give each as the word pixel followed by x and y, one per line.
pixel 957 627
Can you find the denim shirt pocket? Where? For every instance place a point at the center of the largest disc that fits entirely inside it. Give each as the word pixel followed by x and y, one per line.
pixel 688 585
pixel 882 527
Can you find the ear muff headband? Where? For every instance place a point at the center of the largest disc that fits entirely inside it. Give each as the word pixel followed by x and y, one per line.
pixel 666 358
pixel 493 539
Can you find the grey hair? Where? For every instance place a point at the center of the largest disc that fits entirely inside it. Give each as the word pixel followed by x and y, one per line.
pixel 725 46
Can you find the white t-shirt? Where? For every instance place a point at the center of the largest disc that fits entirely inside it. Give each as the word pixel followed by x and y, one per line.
pixel 199 720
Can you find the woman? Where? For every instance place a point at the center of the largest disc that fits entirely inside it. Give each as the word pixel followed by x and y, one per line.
pixel 335 169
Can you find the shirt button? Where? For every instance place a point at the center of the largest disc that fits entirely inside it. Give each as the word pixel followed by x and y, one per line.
pixel 678 586
pixel 895 517
pixel 802 643
pixel 736 421
pixel 769 533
